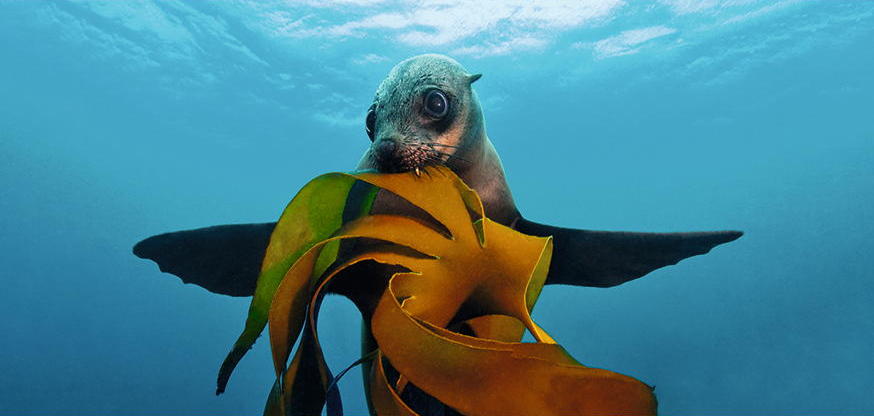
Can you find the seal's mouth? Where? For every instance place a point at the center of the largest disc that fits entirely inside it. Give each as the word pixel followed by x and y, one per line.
pixel 396 157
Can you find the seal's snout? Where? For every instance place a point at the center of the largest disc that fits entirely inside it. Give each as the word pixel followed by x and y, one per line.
pixel 387 151
pixel 394 154
pixel 386 148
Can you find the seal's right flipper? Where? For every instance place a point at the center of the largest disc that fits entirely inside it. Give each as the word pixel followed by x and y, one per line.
pixel 609 258
pixel 224 259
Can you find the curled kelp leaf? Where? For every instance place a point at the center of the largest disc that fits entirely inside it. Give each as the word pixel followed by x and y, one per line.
pixel 482 274
pixel 484 377
pixel 314 214
pixel 304 384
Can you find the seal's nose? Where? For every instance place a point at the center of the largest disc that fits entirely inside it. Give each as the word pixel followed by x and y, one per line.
pixel 387 151
pixel 386 147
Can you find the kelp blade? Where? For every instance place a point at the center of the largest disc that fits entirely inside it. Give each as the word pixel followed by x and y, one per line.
pixel 306 381
pixel 313 215
pixel 483 377
pixel 482 266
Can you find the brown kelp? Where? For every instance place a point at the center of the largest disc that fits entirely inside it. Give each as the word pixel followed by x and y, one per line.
pixel 458 269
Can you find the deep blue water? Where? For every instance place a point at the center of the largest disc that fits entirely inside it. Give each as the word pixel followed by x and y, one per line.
pixel 123 119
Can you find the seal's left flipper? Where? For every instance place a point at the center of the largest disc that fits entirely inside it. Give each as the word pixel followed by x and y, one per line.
pixel 223 259
pixel 609 258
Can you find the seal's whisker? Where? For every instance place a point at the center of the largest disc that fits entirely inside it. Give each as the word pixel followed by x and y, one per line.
pixel 443 145
pixel 450 156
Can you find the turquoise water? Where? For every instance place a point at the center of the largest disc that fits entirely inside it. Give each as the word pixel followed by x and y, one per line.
pixel 119 120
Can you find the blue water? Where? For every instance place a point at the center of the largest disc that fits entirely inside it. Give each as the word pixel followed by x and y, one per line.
pixel 119 120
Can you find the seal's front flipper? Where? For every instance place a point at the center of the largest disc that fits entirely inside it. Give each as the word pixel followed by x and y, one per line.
pixel 225 259
pixel 609 258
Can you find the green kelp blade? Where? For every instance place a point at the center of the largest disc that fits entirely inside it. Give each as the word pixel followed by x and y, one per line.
pixel 288 309
pixel 312 216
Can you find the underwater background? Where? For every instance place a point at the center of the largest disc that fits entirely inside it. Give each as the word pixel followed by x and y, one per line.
pixel 124 119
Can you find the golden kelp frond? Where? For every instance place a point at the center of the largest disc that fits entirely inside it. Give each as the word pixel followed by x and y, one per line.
pixel 303 223
pixel 483 377
pixel 482 275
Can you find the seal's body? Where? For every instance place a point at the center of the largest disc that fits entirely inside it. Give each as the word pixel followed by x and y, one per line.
pixel 426 112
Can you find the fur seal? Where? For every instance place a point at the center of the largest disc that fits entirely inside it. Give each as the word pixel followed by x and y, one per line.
pixel 426 112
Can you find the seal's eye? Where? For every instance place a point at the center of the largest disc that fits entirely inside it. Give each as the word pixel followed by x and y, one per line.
pixel 370 123
pixel 436 104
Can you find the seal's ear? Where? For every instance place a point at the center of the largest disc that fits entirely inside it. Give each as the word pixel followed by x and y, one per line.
pixel 472 78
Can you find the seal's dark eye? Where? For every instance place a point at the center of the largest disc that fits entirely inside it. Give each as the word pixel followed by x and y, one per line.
pixel 370 123
pixel 436 104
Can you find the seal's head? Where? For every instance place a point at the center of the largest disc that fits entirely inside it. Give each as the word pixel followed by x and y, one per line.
pixel 425 113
